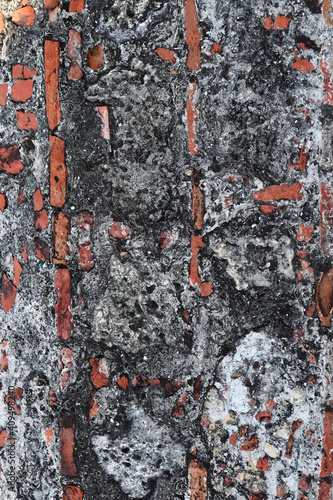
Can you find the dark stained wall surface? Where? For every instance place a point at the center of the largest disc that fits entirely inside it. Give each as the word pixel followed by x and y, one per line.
pixel 166 218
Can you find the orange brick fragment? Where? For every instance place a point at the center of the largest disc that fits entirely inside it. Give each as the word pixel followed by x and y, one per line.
pixel 197 480
pixel 192 35
pixel 304 233
pixel 72 492
pixel 303 65
pixel 325 297
pixel 26 121
pixel 123 382
pixel 99 372
pixel 263 464
pixel 104 114
pixel 74 47
pixel 24 16
pixel 327 12
pixel 198 202
pixel 95 57
pixel 93 407
pixel 2 22
pixel 66 362
pixel 23 72
pixel 38 200
pixel 52 61
pixel 196 244
pixel 296 425
pixel 119 230
pixel 50 4
pixel 64 321
pixel 3 202
pixel 324 491
pixel 8 293
pixel 67 443
pixel 268 23
pixel 17 272
pixel 41 220
pixel 22 90
pixel 42 249
pixel 282 192
pixel 250 444
pixel 166 54
pixel 327 459
pixel 3 94
pixel 58 172
pixel 206 289
pixel 76 6
pixel 61 230
pixel 269 209
pixel 282 22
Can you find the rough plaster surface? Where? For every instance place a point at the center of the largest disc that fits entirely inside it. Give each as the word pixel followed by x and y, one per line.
pixel 166 218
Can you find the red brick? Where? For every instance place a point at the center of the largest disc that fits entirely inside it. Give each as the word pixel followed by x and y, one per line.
pixel 270 404
pixel 8 293
pixel 58 172
pixel 95 57
pixel 198 202
pixel 67 443
pixel 296 425
pixel 64 321
pixel 66 358
pixel 41 220
pixel 192 118
pixel 303 65
pixel 50 4
pixel 99 372
pixel 23 72
pixel 302 159
pixel 325 297
pixel 263 464
pixel 250 444
pixel 324 491
pixel 3 202
pixel 142 381
pixel 119 230
pixel 104 114
pixel 24 16
pixel 196 244
pixel 165 239
pixel 282 22
pixel 52 397
pixel 282 192
pixel 17 272
pixel 76 6
pixel 268 23
pixel 166 54
pixel 72 492
pixel 258 495
pixel 74 47
pixel 10 159
pixel 123 382
pixel 263 416
pixel 26 121
pixel 42 249
pixel 304 233
pixel 52 61
pixel 24 251
pixel 206 289
pixel 4 356
pixel 327 12
pixel 179 410
pixel 38 200
pixel 93 407
pixel 269 209
pixel 327 460
pixel 86 260
pixel 2 22
pixel 3 94
pixel 192 36
pixel 197 480
pixel 22 90
pixel 61 230
pixel 305 482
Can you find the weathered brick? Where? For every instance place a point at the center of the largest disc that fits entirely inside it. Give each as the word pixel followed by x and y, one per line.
pixel 104 114
pixel 76 6
pixel 197 480
pixel 99 372
pixel 42 249
pixel 26 121
pixel 325 297
pixel 192 35
pixel 282 192
pixel 52 61
pixel 8 293
pixel 22 90
pixel 64 321
pixel 61 230
pixel 119 230
pixel 198 202
pixel 3 202
pixel 72 492
pixel 95 57
pixel 74 52
pixel 58 172
pixel 67 443
pixel 192 117
pixel 3 94
pixel 22 72
pixel 166 54
pixel 24 16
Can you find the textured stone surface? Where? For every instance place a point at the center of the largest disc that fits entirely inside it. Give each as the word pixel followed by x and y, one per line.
pixel 166 217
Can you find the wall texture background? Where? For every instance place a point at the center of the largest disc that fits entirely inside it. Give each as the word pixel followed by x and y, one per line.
pixel 166 217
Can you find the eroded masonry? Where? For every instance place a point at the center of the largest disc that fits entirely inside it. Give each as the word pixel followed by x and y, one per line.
pixel 166 244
